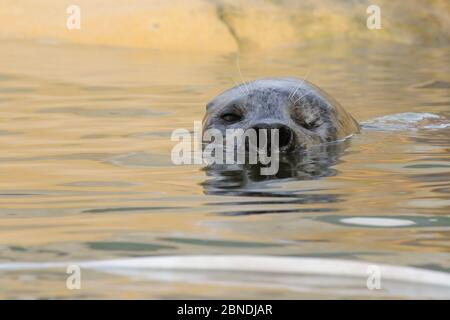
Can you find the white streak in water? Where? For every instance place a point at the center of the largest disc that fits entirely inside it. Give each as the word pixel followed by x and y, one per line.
pixel 254 264
pixel 405 121
pixel 378 222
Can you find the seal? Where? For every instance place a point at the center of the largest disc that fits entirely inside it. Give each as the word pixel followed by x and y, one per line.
pixel 303 113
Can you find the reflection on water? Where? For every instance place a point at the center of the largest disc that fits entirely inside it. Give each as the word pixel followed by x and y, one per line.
pixel 247 181
pixel 239 179
pixel 86 171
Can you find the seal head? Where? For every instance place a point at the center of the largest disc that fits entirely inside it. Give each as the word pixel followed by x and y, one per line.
pixel 303 113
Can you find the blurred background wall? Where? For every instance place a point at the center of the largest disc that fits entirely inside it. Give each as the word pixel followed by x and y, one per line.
pixel 225 25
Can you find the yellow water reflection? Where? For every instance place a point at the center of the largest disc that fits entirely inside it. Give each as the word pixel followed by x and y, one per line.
pixel 85 137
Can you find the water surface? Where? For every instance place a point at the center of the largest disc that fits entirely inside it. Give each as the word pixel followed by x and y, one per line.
pixel 86 171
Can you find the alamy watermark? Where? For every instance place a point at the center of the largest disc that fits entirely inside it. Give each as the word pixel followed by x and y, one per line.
pixel 374 279
pixel 73 21
pixel 235 146
pixel 74 17
pixel 373 21
pixel 73 281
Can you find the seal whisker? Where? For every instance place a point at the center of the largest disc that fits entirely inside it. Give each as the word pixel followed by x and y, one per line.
pixel 304 95
pixel 240 74
pixel 238 86
pixel 291 95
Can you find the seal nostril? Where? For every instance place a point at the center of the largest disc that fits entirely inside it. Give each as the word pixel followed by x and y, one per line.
pixel 285 137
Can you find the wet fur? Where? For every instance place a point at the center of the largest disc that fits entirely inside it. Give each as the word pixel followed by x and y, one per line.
pixel 314 116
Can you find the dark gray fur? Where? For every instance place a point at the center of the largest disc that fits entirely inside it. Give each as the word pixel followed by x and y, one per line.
pixel 312 115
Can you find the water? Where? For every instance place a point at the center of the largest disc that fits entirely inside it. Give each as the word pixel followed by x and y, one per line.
pixel 86 174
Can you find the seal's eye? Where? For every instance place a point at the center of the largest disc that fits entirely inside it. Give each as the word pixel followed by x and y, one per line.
pixel 310 125
pixel 231 117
